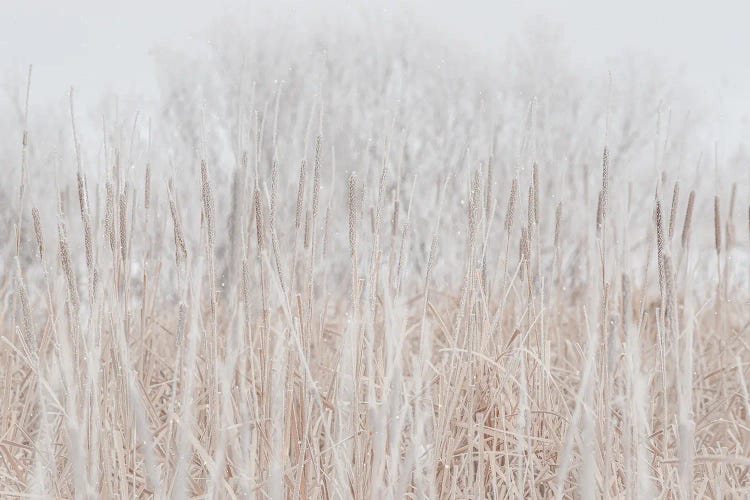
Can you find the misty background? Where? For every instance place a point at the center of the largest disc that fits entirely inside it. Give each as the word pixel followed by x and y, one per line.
pixel 109 47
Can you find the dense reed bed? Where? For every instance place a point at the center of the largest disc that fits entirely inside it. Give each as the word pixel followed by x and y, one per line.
pixel 337 300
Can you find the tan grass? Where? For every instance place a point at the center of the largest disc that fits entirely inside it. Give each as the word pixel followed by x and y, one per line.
pixel 342 351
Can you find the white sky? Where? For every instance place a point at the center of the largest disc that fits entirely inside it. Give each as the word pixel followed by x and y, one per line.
pixel 103 45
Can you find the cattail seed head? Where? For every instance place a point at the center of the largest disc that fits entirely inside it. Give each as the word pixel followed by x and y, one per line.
pixel 717 224
pixel 307 229
pixel 179 236
pixel 258 219
pixel 660 242
pixel 531 222
pixel 300 195
pixel 673 210
pixel 88 243
pixel 207 202
pixel 688 219
pixel 511 205
pixel 274 194
pixel 316 179
pixel 124 223
pixel 109 215
pixel 181 322
pixel 67 266
pixel 600 213
pixel 83 204
pixel 245 286
pixel 81 192
pixel 353 213
pixel 523 251
pixel 38 231
pixel 474 207
pixel 605 185
pixel 535 183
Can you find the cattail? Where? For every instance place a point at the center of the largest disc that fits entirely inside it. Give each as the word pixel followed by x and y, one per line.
pixel 124 223
pixel 307 229
pixel 511 205
pixel 660 242
pixel 717 225
pixel 394 218
pixel 67 266
pixel 659 227
pixel 245 290
pixel 89 251
pixel 272 224
pixel 87 237
pixel 605 185
pixel 207 201
pixel 688 219
pixel 38 231
pixel 245 294
pixel 625 304
pixel 535 183
pixel 181 320
pixel 523 250
pixel 81 192
pixel 431 257
pixel 274 194
pixel 379 203
pixel 353 213
pixel 600 211
pixel 179 237
pixel 531 215
pixel 258 219
pixel 259 227
pixel 316 180
pixel 109 215
pixel 558 220
pixel 300 195
pixel 673 210
pixel 473 208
